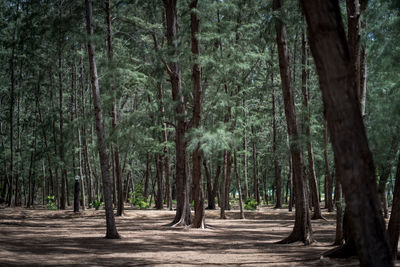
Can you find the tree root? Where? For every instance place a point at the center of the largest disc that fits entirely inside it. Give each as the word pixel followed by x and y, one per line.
pixel 343 251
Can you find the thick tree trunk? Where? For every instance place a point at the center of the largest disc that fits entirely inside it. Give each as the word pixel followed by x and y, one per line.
pixel 199 212
pixel 302 230
pixel 307 125
pixel 104 163
pixel 182 216
pixel 328 178
pixel 394 222
pixel 342 108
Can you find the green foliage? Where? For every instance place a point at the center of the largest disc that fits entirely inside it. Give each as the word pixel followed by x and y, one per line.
pixel 51 203
pixel 96 204
pixel 250 204
pixel 136 198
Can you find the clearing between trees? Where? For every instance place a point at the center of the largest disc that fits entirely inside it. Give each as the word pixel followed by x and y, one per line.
pixel 43 237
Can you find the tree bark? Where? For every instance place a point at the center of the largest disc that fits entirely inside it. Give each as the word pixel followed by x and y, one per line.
pixel 255 178
pixel 147 175
pixel 159 197
pixel 302 230
pixel 238 188
pixel 312 180
pixel 394 222
pixel 342 108
pixel 328 178
pixel 199 212
pixel 223 191
pixel 277 167
pixel 112 232
pixel 182 216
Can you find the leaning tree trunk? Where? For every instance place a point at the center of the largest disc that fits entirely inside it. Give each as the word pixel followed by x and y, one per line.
pixel 307 125
pixel 302 230
pixel 199 212
pixel 333 63
pixel 104 163
pixel 182 216
pixel 394 222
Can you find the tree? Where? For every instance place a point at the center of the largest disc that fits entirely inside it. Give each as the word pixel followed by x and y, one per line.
pixel 342 109
pixel 112 232
pixel 302 230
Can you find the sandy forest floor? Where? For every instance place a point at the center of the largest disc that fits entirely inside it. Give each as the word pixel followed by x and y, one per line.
pixel 39 237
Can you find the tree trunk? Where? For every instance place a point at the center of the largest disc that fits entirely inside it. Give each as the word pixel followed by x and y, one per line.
pixel 238 188
pixel 277 167
pixel 384 174
pixel 147 175
pixel 302 230
pixel 159 197
pixel 328 178
pixel 182 216
pixel 199 212
pixel 245 147
pixel 339 217
pixel 342 108
pixel 111 227
pixel 307 125
pixel 394 222
pixel 223 191
pixel 255 178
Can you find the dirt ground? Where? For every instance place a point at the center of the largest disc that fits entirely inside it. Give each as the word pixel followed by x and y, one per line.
pixel 39 237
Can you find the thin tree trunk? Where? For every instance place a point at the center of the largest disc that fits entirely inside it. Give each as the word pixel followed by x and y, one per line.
pixel 245 148
pixel 223 192
pixel 307 125
pixel 302 230
pixel 328 178
pixel 384 174
pixel 277 167
pixel 238 188
pixel 394 222
pixel 147 175
pixel 255 178
pixel 342 108
pixel 111 228
pixel 158 196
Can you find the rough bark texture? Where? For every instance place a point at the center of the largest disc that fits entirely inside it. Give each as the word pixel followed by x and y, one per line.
pixel 331 54
pixel 302 230
pixel 199 212
pixel 277 167
pixel 182 216
pixel 105 172
pixel 394 222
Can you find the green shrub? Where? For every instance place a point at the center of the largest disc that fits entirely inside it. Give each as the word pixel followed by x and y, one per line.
pixel 51 203
pixel 250 204
pixel 136 198
pixel 96 204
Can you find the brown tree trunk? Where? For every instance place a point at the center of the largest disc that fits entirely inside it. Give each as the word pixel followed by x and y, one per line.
pixel 384 174
pixel 394 222
pixel 307 125
pixel 328 178
pixel 104 163
pixel 116 158
pixel 342 108
pixel 302 230
pixel 199 212
pixel 277 167
pixel 223 191
pixel 183 215
pixel 245 147
pixel 255 178
pixel 147 176
pixel 238 188
pixel 158 196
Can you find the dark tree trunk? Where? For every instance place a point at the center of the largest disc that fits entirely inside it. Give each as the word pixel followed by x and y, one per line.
pixel 342 108
pixel 394 222
pixel 147 176
pixel 228 178
pixel 328 178
pixel 255 178
pixel 307 125
pixel 159 197
pixel 339 217
pixel 238 188
pixel 302 230
pixel 209 185
pixel 277 167
pixel 223 191
pixel 384 174
pixel 104 163
pixel 182 216
pixel 291 185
